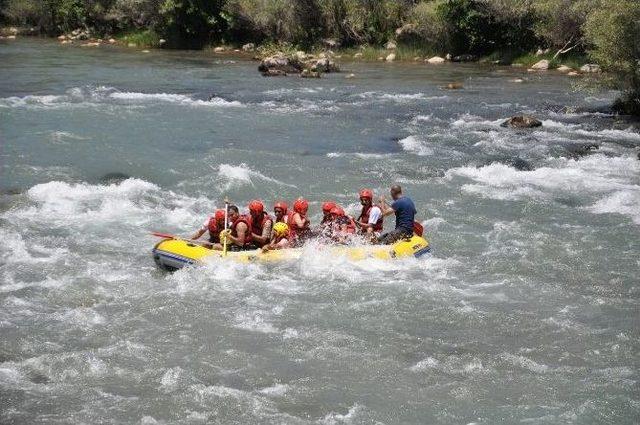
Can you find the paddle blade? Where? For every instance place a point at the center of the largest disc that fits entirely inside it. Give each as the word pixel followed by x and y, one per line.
pixel 163 235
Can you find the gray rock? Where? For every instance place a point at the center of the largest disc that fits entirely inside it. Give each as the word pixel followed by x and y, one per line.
pixel 391 45
pixel 282 63
pixel 435 60
pixel 522 121
pixel 307 73
pixel 324 65
pixel 590 68
pixel 249 47
pixel 542 65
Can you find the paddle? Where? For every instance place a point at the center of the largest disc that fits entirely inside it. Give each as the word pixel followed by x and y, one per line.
pixel 226 225
pixel 168 236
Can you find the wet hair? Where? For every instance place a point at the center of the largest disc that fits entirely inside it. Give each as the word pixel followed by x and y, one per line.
pixel 233 208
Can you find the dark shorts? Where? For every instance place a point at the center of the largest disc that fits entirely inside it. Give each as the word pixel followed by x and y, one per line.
pixel 394 236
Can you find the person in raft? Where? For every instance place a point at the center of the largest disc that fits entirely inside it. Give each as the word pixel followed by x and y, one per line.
pixel 261 224
pixel 299 224
pixel 324 229
pixel 343 227
pixel 214 225
pixel 279 238
pixel 280 212
pixel 239 236
pixel 405 212
pixel 370 221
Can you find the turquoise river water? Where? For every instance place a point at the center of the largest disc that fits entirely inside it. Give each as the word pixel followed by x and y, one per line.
pixel 527 310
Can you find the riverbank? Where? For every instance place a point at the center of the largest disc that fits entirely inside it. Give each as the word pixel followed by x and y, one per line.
pixel 392 52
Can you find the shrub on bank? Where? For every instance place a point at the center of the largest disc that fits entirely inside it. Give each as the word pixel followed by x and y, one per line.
pixel 613 34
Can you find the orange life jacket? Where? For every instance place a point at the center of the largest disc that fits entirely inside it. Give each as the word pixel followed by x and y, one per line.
pixel 258 226
pixel 214 231
pixel 364 218
pixel 248 237
pixel 296 233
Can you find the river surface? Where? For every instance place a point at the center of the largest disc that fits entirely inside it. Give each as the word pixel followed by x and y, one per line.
pixel 527 310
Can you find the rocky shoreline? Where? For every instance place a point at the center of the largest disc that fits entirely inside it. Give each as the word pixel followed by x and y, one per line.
pixel 308 64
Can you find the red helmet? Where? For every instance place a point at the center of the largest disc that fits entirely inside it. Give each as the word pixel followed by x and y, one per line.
pixel 282 205
pixel 337 211
pixel 300 206
pixel 256 207
pixel 219 215
pixel 366 193
pixel 328 206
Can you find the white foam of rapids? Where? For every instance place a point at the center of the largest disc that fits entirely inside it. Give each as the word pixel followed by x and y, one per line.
pixel 79 96
pixel 173 98
pixel 398 97
pixel 241 175
pixel 613 182
pixel 414 145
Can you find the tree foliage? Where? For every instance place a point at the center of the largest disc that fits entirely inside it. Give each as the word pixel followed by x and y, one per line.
pixel 613 33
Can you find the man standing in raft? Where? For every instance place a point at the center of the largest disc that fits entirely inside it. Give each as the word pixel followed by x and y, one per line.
pixel 405 212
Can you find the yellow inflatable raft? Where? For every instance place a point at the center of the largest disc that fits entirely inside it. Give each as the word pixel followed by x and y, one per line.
pixel 173 254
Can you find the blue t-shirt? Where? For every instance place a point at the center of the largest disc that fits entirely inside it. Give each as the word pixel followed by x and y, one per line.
pixel 405 213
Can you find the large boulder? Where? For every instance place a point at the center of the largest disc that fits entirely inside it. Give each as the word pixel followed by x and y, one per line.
pixel 219 49
pixel 565 68
pixel 435 60
pixel 391 45
pixel 542 65
pixel 590 68
pixel 281 62
pixel 324 65
pixel 522 121
pixel 358 55
pixel 307 73
pixel 273 73
pixel 391 57
pixel 249 47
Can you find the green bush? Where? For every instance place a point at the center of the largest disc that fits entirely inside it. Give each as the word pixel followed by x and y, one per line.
pixel 613 34
pixel 190 24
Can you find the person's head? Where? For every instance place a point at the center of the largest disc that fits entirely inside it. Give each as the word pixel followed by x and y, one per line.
pixel 280 210
pixel 327 207
pixel 396 191
pixel 233 213
pixel 336 212
pixel 366 197
pixel 219 217
pixel 256 209
pixel 301 206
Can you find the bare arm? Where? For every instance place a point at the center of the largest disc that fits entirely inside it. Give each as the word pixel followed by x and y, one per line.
pixel 266 233
pixel 199 233
pixel 385 208
pixel 241 229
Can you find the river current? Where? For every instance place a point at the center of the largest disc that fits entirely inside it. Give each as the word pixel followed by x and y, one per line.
pixel 527 310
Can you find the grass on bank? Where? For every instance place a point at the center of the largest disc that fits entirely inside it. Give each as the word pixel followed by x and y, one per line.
pixel 141 38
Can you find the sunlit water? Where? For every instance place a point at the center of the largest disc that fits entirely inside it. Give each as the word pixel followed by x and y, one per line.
pixel 526 312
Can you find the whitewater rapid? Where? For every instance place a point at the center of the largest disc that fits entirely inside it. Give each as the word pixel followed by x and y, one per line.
pixel 525 312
